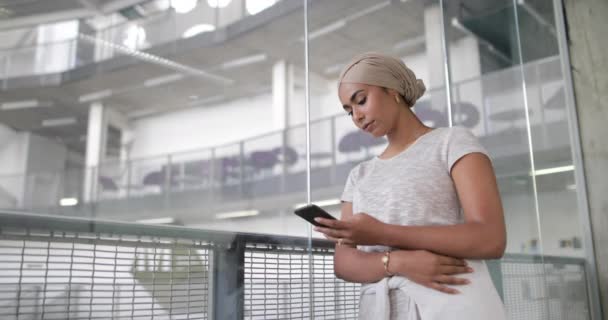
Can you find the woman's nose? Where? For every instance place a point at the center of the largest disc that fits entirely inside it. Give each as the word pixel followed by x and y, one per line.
pixel 358 115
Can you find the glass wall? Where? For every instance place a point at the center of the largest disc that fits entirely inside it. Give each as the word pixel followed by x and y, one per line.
pixel 508 87
pixel 203 123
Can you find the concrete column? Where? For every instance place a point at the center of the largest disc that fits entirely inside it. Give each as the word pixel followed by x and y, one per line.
pixel 121 122
pixel 587 25
pixel 434 54
pixel 96 149
pixel 282 91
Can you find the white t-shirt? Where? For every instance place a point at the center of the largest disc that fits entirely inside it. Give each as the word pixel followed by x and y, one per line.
pixel 415 188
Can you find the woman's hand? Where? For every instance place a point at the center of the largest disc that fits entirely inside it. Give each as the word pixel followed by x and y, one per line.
pixel 359 229
pixel 429 269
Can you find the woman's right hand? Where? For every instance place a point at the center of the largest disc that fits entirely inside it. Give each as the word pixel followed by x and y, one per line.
pixel 429 269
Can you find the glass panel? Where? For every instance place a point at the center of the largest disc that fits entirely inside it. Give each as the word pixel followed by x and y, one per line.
pixel 338 31
pixel 11 191
pixel 405 29
pixel 560 217
pixel 508 89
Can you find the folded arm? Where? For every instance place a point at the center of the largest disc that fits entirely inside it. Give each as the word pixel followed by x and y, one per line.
pixel 421 266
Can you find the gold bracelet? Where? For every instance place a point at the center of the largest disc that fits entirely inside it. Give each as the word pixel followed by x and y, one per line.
pixel 386 258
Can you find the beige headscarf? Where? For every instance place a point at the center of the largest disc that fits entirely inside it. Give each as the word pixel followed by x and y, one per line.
pixel 378 69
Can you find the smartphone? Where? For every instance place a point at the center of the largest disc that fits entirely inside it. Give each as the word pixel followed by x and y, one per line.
pixel 310 212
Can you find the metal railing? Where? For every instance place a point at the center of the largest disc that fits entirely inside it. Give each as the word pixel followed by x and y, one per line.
pixel 278 155
pixel 68 268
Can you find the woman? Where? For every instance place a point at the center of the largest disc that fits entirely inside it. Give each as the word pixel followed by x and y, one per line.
pixel 413 214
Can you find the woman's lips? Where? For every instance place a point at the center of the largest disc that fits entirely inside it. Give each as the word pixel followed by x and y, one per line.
pixel 368 126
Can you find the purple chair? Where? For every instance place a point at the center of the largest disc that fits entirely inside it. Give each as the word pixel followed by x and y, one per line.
pixel 287 155
pixel 261 160
pixel 354 141
pixel 155 178
pixel 107 183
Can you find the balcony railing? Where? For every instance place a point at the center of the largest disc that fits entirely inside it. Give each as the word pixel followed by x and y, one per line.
pixel 58 268
pixel 274 163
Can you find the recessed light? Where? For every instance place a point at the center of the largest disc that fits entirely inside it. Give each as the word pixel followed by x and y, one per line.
pixel 237 214
pixel 197 29
pixel 68 202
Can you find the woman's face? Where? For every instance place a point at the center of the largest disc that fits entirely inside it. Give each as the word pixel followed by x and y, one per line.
pixel 371 108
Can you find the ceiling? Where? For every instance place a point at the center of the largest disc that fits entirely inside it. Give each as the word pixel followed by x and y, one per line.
pixel 383 25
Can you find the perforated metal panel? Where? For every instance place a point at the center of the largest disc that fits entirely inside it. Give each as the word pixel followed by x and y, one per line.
pixel 95 276
pixel 278 285
pixel 553 290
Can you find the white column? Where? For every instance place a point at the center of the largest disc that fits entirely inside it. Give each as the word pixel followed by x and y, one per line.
pixel 119 121
pixel 124 175
pixel 96 149
pixel 282 91
pixel 434 54
pixel 464 64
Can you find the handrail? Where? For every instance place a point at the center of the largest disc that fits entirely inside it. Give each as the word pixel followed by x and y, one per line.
pixel 33 221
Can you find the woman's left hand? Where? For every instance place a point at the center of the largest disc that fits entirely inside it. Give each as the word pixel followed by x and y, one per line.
pixel 360 229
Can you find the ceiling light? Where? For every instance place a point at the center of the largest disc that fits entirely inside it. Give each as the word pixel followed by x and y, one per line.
pixel 197 29
pixel 95 96
pixel 218 3
pixel 408 43
pixel 25 104
pixel 257 6
pixel 202 101
pixel 164 220
pixel 244 61
pixel 153 82
pixel 541 172
pixel 368 10
pixel 68 202
pixel 326 29
pixel 237 214
pixel 183 6
pixel 58 122
pixel 162 5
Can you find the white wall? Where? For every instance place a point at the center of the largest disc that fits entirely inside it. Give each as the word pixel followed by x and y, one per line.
pixel 46 161
pixel 59 52
pixel 559 220
pixel 13 156
pixel 202 127
pixel 24 153
pixel 45 155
